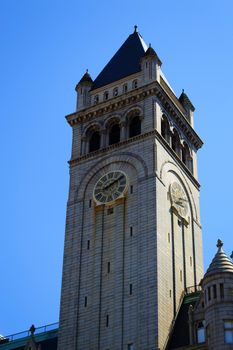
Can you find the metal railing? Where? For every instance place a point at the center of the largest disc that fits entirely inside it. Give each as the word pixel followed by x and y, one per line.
pixel 24 334
pixel 193 289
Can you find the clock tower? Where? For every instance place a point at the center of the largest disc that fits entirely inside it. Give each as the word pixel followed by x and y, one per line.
pixel 133 241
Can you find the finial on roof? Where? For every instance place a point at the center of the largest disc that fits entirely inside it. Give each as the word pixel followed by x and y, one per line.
pixel 87 70
pixel 149 44
pixel 135 29
pixel 32 329
pixel 183 90
pixel 219 243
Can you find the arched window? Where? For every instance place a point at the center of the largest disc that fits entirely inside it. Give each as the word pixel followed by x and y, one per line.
pixel 114 134
pixel 186 157
pixel 165 129
pixel 176 143
pixel 125 88
pixel 201 332
pixel 96 99
pixel 135 84
pixel 115 92
pixel 94 142
pixel 135 126
pixel 106 95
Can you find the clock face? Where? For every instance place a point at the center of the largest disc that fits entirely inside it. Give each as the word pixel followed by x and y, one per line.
pixel 179 199
pixel 110 187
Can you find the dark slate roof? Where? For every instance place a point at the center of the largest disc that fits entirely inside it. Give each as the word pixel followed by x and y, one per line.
pixel 86 78
pixel 184 100
pixel 180 334
pixel 220 263
pixel 126 61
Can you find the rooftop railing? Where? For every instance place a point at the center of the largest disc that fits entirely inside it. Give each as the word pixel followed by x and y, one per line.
pixel 24 334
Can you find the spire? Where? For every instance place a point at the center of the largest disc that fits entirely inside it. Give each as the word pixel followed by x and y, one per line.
pixel 86 78
pixel 126 61
pixel 220 263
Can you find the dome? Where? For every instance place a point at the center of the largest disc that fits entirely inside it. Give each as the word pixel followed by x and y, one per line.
pixel 220 263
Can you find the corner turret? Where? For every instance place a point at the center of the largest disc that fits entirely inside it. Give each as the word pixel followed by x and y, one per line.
pixel 83 88
pixel 150 65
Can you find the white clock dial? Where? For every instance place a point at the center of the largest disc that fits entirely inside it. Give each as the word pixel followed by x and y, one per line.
pixel 179 199
pixel 110 187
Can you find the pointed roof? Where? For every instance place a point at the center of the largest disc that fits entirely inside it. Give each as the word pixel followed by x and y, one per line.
pixel 184 100
pixel 126 61
pixel 86 78
pixel 220 263
pixel 151 52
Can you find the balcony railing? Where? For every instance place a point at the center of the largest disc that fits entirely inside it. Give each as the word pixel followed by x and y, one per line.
pixel 39 330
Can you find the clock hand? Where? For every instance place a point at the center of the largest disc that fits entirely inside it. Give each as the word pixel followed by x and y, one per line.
pixel 113 182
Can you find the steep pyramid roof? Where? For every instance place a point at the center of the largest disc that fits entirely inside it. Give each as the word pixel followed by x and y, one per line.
pixel 126 61
pixel 220 263
pixel 86 78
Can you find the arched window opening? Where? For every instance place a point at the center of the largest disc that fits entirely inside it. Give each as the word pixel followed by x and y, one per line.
pixel 176 143
pixel 186 157
pixel 165 130
pixel 115 92
pixel 135 84
pixel 201 332
pixel 106 95
pixel 94 143
pixel 114 134
pixel 125 88
pixel 96 99
pixel 135 126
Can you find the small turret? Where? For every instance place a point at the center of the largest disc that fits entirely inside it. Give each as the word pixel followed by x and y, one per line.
pixel 188 106
pixel 150 65
pixel 218 292
pixel 83 91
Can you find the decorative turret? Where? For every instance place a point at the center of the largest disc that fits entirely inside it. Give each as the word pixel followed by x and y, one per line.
pixel 83 88
pixel 150 64
pixel 218 291
pixel 188 106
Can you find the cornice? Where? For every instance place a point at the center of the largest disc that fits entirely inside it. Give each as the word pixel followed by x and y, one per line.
pixel 154 133
pixel 171 105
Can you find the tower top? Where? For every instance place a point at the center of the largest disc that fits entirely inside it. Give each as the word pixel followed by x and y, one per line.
pixel 126 61
pixel 221 262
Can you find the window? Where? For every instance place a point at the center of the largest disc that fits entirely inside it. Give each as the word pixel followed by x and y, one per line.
pixel 191 261
pixel 165 129
pixel 131 189
pixel 114 134
pixel 130 289
pixel 106 95
pixel 130 346
pixel 209 294
pixel 125 88
pixel 131 231
pixel 107 320
pixel 115 92
pixel 201 332
pixel 170 293
pixel 135 84
pixel 88 244
pixel 214 291
pixel 94 143
pixel 221 290
pixel 109 267
pixel 176 143
pixel 90 203
pixel 228 331
pixel 135 127
pixel 168 237
pixel 96 99
pixel 85 302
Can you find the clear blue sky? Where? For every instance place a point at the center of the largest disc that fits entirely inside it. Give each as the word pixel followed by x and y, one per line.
pixel 46 46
